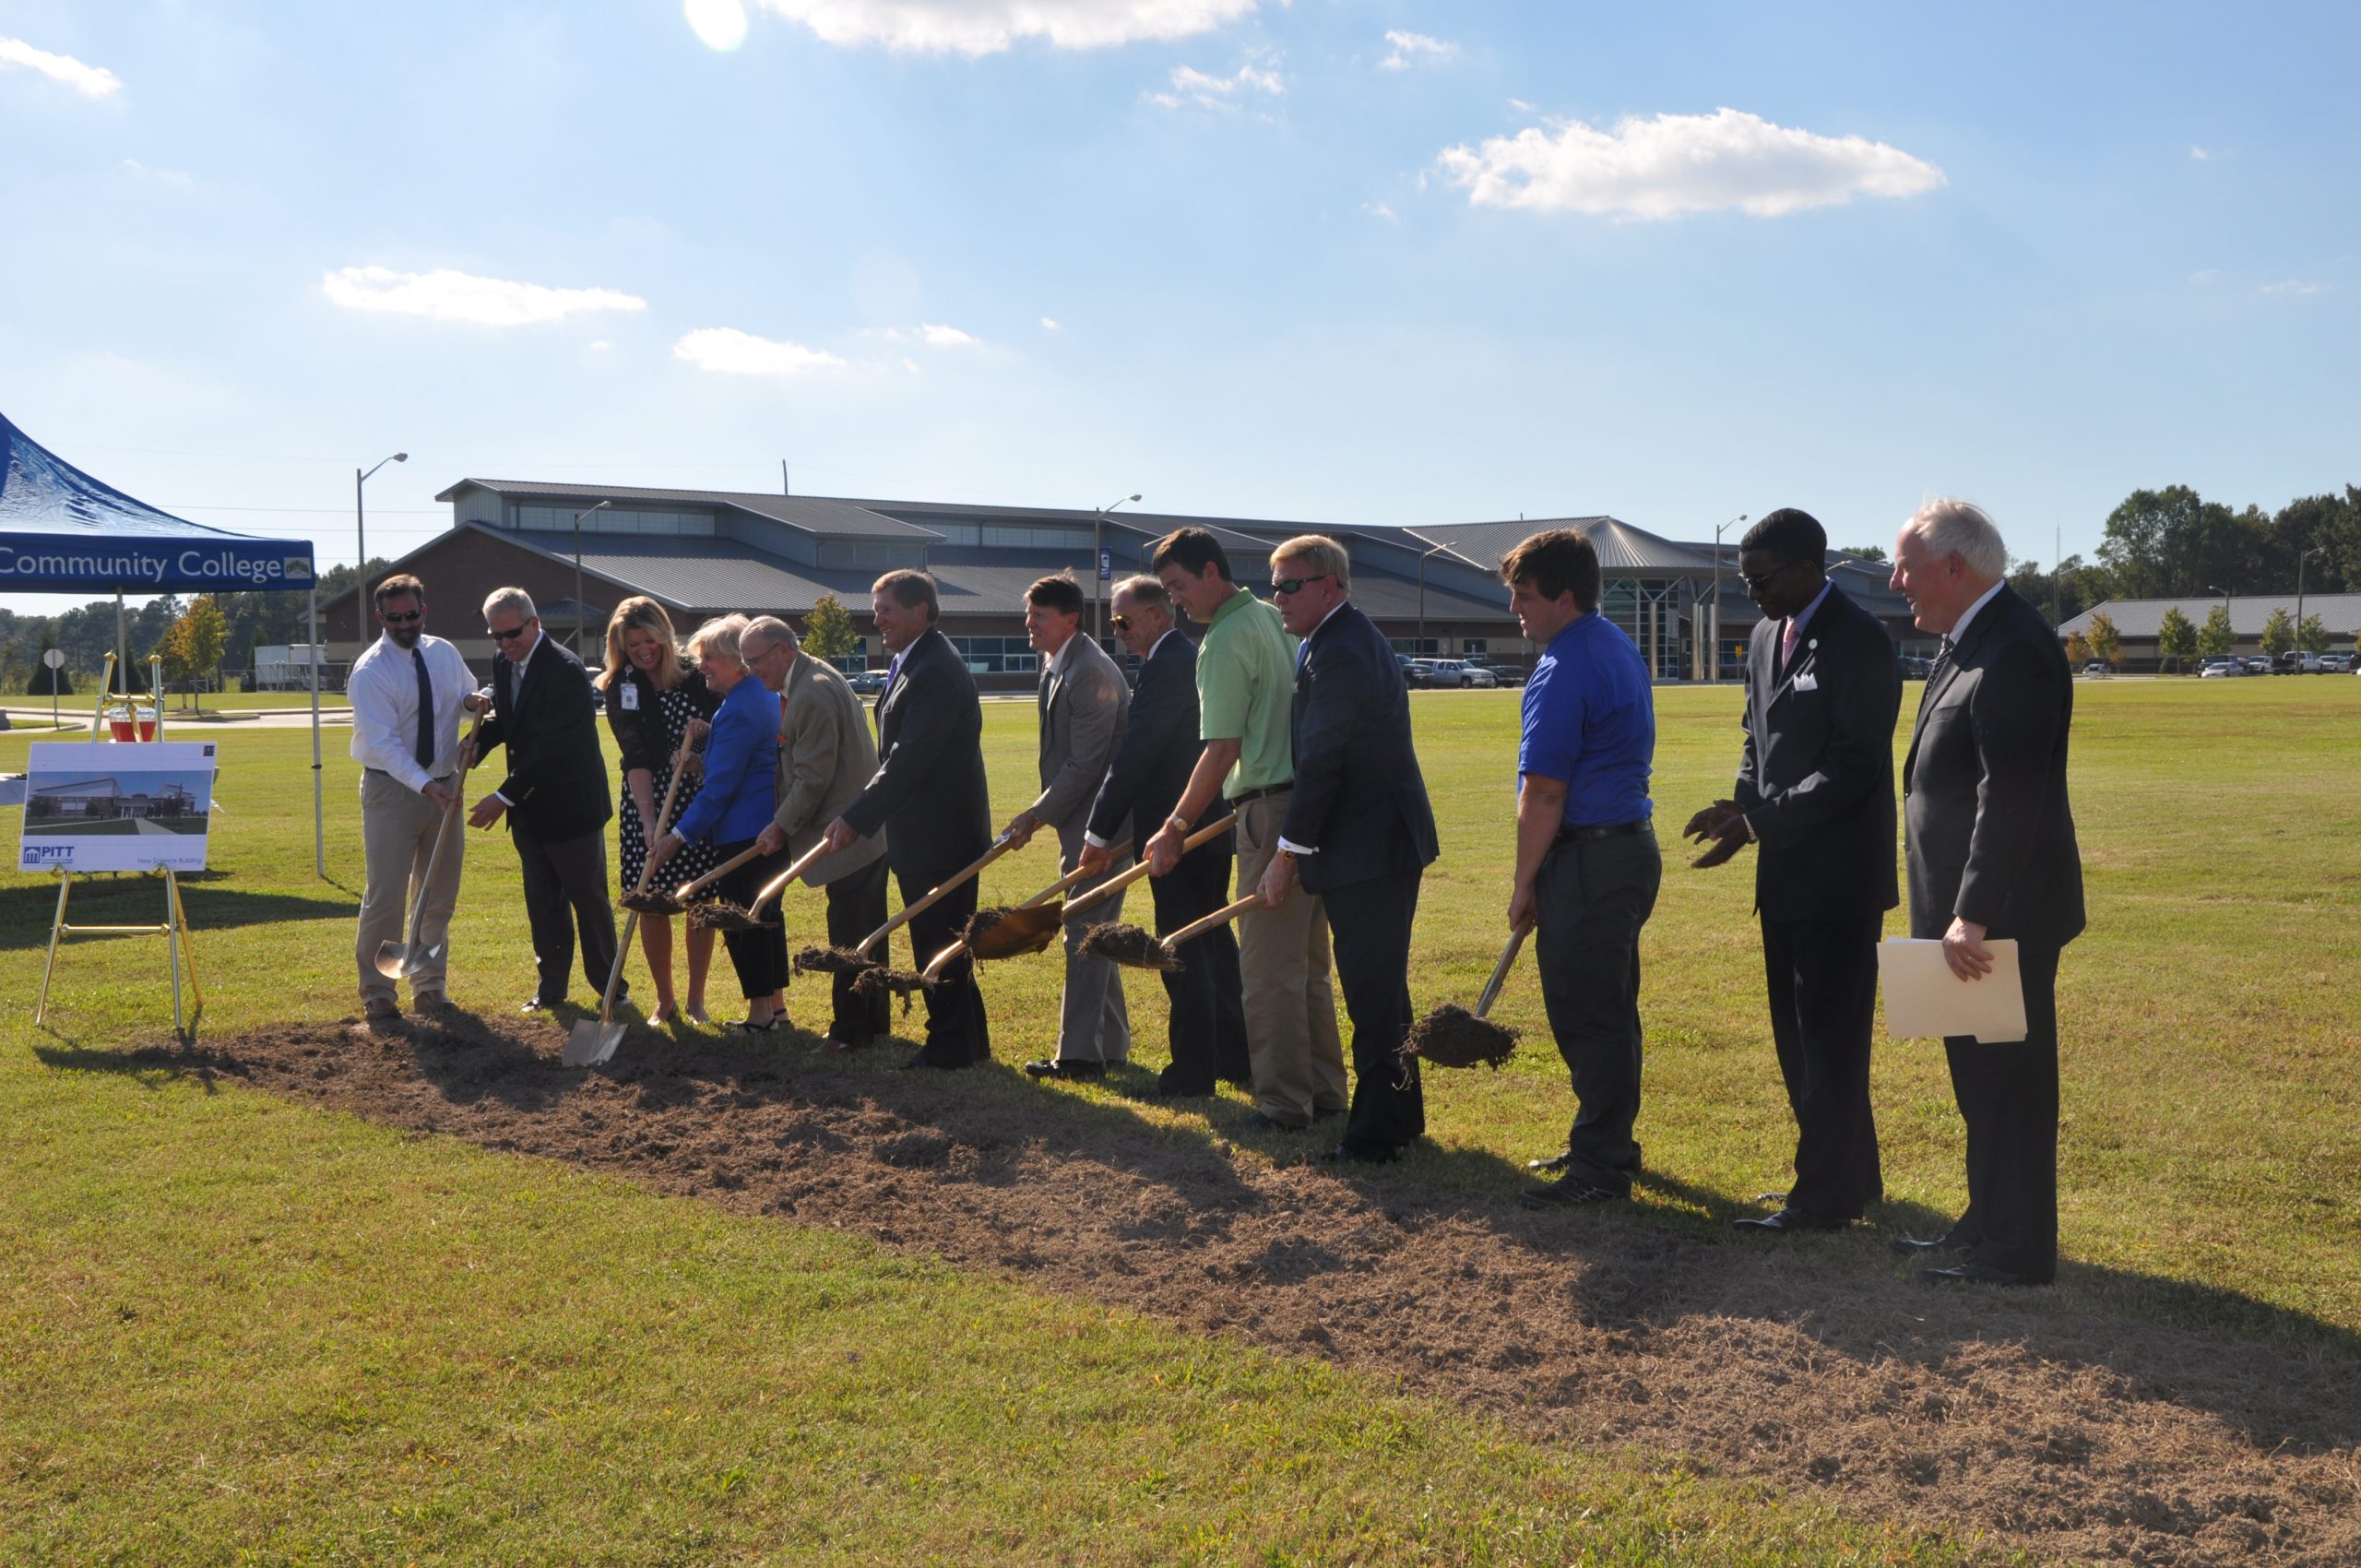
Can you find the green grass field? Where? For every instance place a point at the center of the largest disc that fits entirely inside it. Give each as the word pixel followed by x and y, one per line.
pixel 240 1330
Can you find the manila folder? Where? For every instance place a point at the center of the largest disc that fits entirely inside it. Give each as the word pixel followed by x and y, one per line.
pixel 1923 997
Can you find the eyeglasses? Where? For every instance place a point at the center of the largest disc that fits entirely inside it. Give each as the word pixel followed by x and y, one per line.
pixel 401 620
pixel 509 635
pixel 1295 585
pixel 1121 623
pixel 1757 583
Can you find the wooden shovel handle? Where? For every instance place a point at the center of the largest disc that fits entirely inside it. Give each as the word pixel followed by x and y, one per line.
pixel 1116 883
pixel 443 831
pixel 1219 916
pixel 716 873
pixel 778 884
pixel 1000 846
pixel 942 961
pixel 1114 852
pixel 1501 969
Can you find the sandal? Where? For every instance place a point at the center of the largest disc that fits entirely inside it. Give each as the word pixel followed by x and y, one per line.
pixel 747 1026
pixel 668 1012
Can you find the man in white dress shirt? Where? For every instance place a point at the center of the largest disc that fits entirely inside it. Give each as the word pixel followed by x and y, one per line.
pixel 406 690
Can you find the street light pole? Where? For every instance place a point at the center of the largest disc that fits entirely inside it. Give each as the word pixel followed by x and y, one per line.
pixel 1097 595
pixel 360 541
pixel 1429 556
pixel 2232 651
pixel 1714 648
pixel 577 571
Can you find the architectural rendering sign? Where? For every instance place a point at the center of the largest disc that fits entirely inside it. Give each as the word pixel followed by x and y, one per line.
pixel 110 806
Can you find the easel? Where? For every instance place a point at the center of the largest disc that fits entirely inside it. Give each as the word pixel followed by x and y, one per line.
pixel 178 943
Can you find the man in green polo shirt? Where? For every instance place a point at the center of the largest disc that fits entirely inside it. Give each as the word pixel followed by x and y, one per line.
pixel 1245 692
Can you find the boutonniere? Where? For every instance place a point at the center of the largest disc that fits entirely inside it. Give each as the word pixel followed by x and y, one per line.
pixel 1811 642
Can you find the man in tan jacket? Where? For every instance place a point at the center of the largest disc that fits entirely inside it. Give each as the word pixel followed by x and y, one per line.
pixel 825 756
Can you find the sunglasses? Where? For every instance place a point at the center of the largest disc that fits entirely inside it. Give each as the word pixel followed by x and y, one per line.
pixel 1757 583
pixel 1121 623
pixel 509 635
pixel 401 620
pixel 1295 585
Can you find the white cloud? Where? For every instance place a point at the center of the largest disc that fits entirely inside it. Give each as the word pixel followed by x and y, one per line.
pixel 938 336
pixel 1681 163
pixel 1048 323
pixel 989 27
pixel 1379 209
pixel 447 295
pixel 1519 105
pixel 90 81
pixel 2198 152
pixel 600 345
pixel 2293 286
pixel 728 351
pixel 2206 275
pixel 720 25
pixel 1192 86
pixel 139 170
pixel 1410 47
pixel 911 365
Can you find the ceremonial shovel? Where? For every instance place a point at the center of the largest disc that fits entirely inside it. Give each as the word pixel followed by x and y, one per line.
pixel 393 957
pixel 1007 933
pixel 727 916
pixel 1122 944
pixel 590 1043
pixel 836 961
pixel 1453 1036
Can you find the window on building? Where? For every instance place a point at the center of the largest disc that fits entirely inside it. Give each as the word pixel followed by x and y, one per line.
pixel 1418 647
pixel 613 521
pixel 997 655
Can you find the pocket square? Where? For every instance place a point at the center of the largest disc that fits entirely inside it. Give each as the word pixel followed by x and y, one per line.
pixel 1806 682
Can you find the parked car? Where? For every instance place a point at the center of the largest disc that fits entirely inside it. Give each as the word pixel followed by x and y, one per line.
pixel 1506 674
pixel 2220 668
pixel 1915 667
pixel 2296 664
pixel 869 681
pixel 1457 673
pixel 2257 665
pixel 2097 667
pixel 1414 673
pixel 2335 664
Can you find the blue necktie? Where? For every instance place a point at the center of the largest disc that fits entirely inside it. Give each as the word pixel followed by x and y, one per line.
pixel 423 749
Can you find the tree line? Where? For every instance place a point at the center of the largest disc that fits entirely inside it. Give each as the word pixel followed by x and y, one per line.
pixel 2173 544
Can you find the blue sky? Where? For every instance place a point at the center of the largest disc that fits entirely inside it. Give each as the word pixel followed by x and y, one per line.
pixel 1328 260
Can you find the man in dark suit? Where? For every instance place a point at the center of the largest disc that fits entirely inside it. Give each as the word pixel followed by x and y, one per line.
pixel 930 787
pixel 1815 791
pixel 1358 831
pixel 1991 855
pixel 546 712
pixel 1207 1023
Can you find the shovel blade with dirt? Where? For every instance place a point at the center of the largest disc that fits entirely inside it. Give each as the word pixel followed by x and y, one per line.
pixel 1450 1036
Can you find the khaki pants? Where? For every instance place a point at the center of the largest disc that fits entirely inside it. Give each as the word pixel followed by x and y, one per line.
pixel 398 829
pixel 1291 1004
pixel 1094 1023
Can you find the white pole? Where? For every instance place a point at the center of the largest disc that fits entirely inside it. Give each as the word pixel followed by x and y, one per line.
pixel 319 815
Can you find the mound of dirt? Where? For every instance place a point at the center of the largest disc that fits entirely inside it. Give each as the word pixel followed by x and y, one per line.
pixel 2004 1416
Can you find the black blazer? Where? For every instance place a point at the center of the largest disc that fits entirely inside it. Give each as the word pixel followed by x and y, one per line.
pixel 1160 750
pixel 639 731
pixel 1359 798
pixel 556 787
pixel 1991 834
pixel 1816 778
pixel 929 777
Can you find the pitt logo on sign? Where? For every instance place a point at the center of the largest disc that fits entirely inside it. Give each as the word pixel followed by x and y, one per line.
pixel 42 856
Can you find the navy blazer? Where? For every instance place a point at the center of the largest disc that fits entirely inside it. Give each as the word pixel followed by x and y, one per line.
pixel 1160 751
pixel 1360 800
pixel 929 777
pixel 1990 833
pixel 1816 777
pixel 556 787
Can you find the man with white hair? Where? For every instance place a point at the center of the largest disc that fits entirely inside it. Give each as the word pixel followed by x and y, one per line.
pixel 1989 845
pixel 826 759
pixel 546 712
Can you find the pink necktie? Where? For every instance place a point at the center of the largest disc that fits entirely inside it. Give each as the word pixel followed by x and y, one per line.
pixel 1788 642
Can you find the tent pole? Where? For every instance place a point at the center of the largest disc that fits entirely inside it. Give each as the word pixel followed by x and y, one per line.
pixel 319 816
pixel 122 641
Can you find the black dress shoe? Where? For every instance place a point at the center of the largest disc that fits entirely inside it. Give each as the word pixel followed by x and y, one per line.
pixel 1911 1248
pixel 1065 1069
pixel 538 1005
pixel 1256 1122
pixel 1567 1191
pixel 1788 1222
pixel 1974 1273
pixel 1362 1154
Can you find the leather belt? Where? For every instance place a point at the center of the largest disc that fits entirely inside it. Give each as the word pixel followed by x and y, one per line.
pixel 1591 835
pixel 1265 793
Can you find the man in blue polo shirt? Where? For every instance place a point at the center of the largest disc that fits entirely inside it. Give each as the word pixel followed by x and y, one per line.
pixel 1587 865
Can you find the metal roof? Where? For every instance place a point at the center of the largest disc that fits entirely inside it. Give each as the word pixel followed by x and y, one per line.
pixel 1622 549
pixel 2339 613
pixel 814 514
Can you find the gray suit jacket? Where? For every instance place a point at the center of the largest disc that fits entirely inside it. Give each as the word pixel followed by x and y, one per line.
pixel 1084 709
pixel 825 757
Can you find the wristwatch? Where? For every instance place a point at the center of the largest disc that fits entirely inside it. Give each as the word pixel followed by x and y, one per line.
pixel 1177 823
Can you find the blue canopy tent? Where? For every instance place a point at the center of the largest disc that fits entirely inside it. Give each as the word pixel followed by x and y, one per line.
pixel 63 532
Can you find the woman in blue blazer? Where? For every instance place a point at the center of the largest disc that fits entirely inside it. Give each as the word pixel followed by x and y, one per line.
pixel 732 807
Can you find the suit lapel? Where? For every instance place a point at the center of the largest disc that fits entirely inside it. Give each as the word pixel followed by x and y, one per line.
pixel 1985 619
